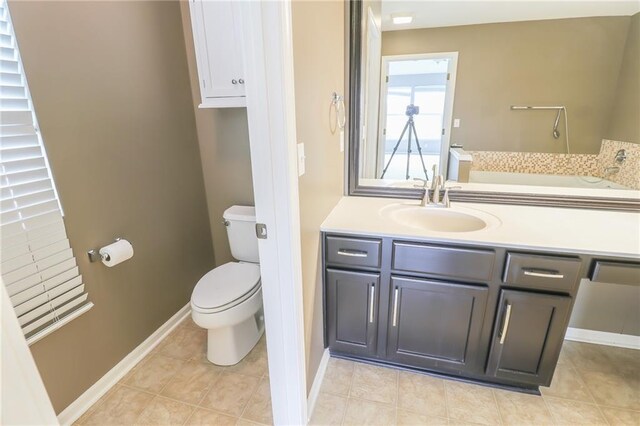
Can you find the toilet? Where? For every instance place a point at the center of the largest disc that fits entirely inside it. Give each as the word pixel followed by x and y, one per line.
pixel 227 301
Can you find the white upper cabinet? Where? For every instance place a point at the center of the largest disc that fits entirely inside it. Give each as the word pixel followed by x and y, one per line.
pixel 218 44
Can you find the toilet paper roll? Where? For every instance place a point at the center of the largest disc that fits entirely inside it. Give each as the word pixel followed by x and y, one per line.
pixel 116 253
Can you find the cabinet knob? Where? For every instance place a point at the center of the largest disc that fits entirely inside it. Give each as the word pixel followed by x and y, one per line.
pixel 234 81
pixel 241 81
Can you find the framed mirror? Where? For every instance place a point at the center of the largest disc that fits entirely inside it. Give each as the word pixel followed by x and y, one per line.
pixel 518 102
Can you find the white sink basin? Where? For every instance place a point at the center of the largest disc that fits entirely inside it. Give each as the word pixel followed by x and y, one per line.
pixel 439 219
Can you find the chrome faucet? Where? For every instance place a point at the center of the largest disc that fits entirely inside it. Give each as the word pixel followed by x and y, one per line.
pixel 438 184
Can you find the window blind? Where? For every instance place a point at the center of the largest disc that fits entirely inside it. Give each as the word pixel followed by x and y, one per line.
pixel 37 264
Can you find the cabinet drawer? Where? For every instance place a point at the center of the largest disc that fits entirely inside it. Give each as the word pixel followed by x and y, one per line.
pixel 353 251
pixel 451 262
pixel 543 272
pixel 616 273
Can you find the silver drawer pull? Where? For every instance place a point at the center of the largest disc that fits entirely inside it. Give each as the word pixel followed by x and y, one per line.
pixel 372 296
pixel 352 253
pixel 505 326
pixel 395 307
pixel 532 273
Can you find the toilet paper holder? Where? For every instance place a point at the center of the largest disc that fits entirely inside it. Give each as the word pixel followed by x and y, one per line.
pixel 95 256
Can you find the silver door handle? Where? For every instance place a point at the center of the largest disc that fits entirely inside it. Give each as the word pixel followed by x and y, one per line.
pixel 505 326
pixel 372 296
pixel 533 273
pixel 395 307
pixel 352 253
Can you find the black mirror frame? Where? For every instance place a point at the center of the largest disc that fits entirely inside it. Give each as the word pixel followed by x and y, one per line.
pixel 354 45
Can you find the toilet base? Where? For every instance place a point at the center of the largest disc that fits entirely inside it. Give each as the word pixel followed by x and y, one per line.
pixel 229 345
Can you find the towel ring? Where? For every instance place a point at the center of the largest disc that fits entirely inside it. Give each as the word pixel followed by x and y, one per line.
pixel 337 113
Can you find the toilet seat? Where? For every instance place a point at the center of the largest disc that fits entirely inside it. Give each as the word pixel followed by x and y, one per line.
pixel 226 286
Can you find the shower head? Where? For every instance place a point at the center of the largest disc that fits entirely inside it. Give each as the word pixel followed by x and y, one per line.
pixel 556 123
pixel 556 133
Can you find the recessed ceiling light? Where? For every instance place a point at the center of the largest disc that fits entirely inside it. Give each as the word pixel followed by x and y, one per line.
pixel 402 19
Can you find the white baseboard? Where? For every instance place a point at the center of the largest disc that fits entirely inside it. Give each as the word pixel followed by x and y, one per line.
pixel 317 383
pixel 106 382
pixel 603 338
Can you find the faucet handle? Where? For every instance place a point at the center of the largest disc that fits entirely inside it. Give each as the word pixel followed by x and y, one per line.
pixel 445 199
pixel 423 181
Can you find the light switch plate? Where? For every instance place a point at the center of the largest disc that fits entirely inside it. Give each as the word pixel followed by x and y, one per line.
pixel 301 158
pixel 456 122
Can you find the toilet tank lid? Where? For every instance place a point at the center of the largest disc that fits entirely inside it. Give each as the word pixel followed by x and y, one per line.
pixel 242 213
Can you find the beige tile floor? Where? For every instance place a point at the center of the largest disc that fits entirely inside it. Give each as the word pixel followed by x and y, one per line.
pixel 593 385
pixel 176 385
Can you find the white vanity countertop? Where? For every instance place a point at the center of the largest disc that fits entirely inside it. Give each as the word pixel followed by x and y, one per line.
pixel 595 232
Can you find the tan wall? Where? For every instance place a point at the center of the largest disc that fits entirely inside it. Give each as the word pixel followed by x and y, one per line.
pixel 625 115
pixel 111 89
pixel 318 49
pixel 574 62
pixel 223 135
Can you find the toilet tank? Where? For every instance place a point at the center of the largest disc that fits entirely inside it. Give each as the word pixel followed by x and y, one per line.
pixel 241 231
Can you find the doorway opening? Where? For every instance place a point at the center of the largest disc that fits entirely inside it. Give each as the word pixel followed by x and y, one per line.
pixel 416 109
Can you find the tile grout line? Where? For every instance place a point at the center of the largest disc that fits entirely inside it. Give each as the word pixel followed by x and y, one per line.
pixel 588 388
pixel 346 408
pixel 96 405
pixel 446 401
pixel 145 408
pixel 553 417
pixel 213 382
pixel 255 390
pixel 396 397
pixel 495 400
pixel 244 409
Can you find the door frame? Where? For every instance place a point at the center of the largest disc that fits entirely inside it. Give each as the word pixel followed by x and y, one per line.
pixel 447 119
pixel 23 397
pixel 369 157
pixel 268 59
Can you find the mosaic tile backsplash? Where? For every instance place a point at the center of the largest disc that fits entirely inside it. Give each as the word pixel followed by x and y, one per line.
pixel 566 164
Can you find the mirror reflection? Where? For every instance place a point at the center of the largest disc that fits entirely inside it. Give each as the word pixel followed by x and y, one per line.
pixel 501 93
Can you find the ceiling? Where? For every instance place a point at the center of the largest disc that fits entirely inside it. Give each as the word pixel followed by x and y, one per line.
pixel 446 13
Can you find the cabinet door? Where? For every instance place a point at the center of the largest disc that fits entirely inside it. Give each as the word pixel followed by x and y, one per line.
pixel 528 336
pixel 218 48
pixel 352 311
pixel 435 324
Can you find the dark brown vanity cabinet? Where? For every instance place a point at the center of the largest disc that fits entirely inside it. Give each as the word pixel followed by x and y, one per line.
pixel 435 324
pixel 483 313
pixel 528 336
pixel 352 311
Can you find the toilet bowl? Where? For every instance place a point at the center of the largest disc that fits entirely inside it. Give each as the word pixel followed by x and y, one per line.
pixel 227 301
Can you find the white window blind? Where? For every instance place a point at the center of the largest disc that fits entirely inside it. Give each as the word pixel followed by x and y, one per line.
pixel 37 264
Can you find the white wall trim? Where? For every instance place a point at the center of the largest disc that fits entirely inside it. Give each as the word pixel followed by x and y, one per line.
pixel 268 59
pixel 106 382
pixel 23 398
pixel 603 338
pixel 317 383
